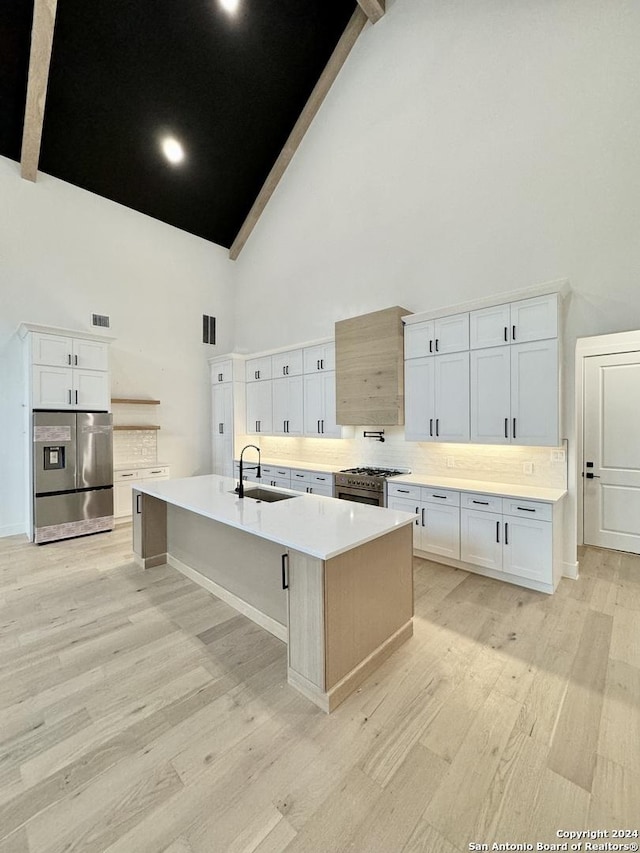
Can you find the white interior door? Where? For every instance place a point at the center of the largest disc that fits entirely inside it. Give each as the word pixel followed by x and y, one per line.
pixel 612 451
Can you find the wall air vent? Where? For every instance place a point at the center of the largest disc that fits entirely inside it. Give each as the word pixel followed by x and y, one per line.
pixel 101 320
pixel 208 329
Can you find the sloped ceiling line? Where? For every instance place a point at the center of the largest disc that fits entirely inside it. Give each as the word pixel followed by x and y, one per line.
pixel 319 93
pixel 44 17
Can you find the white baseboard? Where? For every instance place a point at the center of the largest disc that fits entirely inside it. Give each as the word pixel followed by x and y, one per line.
pixel 248 610
pixel 12 530
pixel 570 570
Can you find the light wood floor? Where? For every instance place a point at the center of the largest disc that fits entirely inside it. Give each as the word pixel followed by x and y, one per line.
pixel 138 713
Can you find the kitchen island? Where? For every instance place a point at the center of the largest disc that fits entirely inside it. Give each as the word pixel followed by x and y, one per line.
pixel 332 579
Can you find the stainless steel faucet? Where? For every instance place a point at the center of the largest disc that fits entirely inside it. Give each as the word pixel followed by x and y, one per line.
pixel 240 486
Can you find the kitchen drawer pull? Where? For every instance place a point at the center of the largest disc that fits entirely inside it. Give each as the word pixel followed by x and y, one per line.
pixel 156 472
pixel 322 479
pixel 482 503
pixel 126 475
pixel 525 509
pixel 404 491
pixel 440 497
pixel 299 475
pixel 498 532
pixel 285 572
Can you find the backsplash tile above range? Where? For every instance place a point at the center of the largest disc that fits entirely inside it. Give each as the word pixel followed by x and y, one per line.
pixel 498 464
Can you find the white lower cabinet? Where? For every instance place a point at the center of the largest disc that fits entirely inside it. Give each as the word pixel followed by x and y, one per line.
pixel 489 534
pixel 125 480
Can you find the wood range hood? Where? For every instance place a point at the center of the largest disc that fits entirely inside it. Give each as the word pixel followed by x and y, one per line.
pixel 370 369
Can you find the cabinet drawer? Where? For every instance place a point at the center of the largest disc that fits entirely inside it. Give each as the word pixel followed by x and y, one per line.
pixel 270 472
pixel 126 476
pixel 404 490
pixel 483 503
pixel 158 473
pixel 527 509
pixel 298 476
pixel 321 479
pixel 440 496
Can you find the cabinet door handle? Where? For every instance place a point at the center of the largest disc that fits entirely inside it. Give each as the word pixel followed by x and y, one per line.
pixel 138 504
pixel 430 426
pixel 75 360
pixel 506 333
pixel 514 427
pixel 287 370
pixel 318 427
pixel 430 346
pixel 437 426
pixel 220 377
pixel 437 348
pixel 318 364
pixel 322 424
pixel 423 524
pixel 221 429
pixel 284 371
pixel 506 533
pixel 285 572
pixel 69 358
pixel 482 503
pixel 417 516
pixel 69 396
pixel 76 398
pixel 525 509
pixel 258 423
pixel 506 427
pixel 322 364
pixel 498 532
pixel 513 332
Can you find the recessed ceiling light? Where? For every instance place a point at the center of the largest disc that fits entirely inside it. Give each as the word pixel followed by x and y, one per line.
pixel 172 150
pixel 230 6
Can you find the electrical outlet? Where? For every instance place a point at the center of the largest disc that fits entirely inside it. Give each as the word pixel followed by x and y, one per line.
pixel 558 456
pixel 451 462
pixel 527 467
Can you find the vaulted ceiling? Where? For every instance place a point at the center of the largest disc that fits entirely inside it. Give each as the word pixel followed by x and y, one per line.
pixel 178 110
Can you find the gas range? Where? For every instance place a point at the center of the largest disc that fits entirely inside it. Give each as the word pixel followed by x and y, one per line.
pixel 365 484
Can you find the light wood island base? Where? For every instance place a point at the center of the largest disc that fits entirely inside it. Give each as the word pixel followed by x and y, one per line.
pixel 340 617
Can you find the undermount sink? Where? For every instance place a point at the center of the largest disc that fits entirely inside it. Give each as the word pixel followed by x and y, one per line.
pixel 267 496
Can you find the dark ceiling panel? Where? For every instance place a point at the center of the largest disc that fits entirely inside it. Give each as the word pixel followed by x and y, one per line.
pixel 16 17
pixel 126 72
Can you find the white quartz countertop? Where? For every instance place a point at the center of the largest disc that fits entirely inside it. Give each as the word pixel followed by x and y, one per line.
pixel 135 466
pixel 506 490
pixel 250 458
pixel 315 525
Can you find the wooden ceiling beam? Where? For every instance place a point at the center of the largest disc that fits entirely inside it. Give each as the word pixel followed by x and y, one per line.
pixel 319 93
pixel 44 18
pixel 373 9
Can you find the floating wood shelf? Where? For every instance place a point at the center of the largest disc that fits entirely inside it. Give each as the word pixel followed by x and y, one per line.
pixel 135 426
pixel 135 402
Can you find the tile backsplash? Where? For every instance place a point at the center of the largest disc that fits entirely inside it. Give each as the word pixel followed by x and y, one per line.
pixel 135 446
pixel 497 464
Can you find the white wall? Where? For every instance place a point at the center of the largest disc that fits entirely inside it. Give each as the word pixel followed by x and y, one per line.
pixel 65 253
pixel 467 149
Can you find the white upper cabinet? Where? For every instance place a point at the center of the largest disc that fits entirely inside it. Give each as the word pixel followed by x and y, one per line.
pixel 320 405
pixel 52 387
pixel 222 371
pixel 286 364
pixel 320 358
pixel 62 351
pixel 287 405
pixel 91 389
pixel 491 395
pixel 431 337
pixel 534 393
pixel 437 398
pixel 259 408
pixel 533 319
pixel 258 369
pixel 490 327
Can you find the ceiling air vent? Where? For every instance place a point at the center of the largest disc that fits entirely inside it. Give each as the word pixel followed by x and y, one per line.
pixel 101 320
pixel 208 329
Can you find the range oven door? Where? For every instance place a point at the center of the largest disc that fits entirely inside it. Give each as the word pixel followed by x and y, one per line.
pixel 360 496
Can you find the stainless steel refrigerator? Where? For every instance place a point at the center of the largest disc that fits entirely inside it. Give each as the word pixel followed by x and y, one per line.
pixel 72 474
